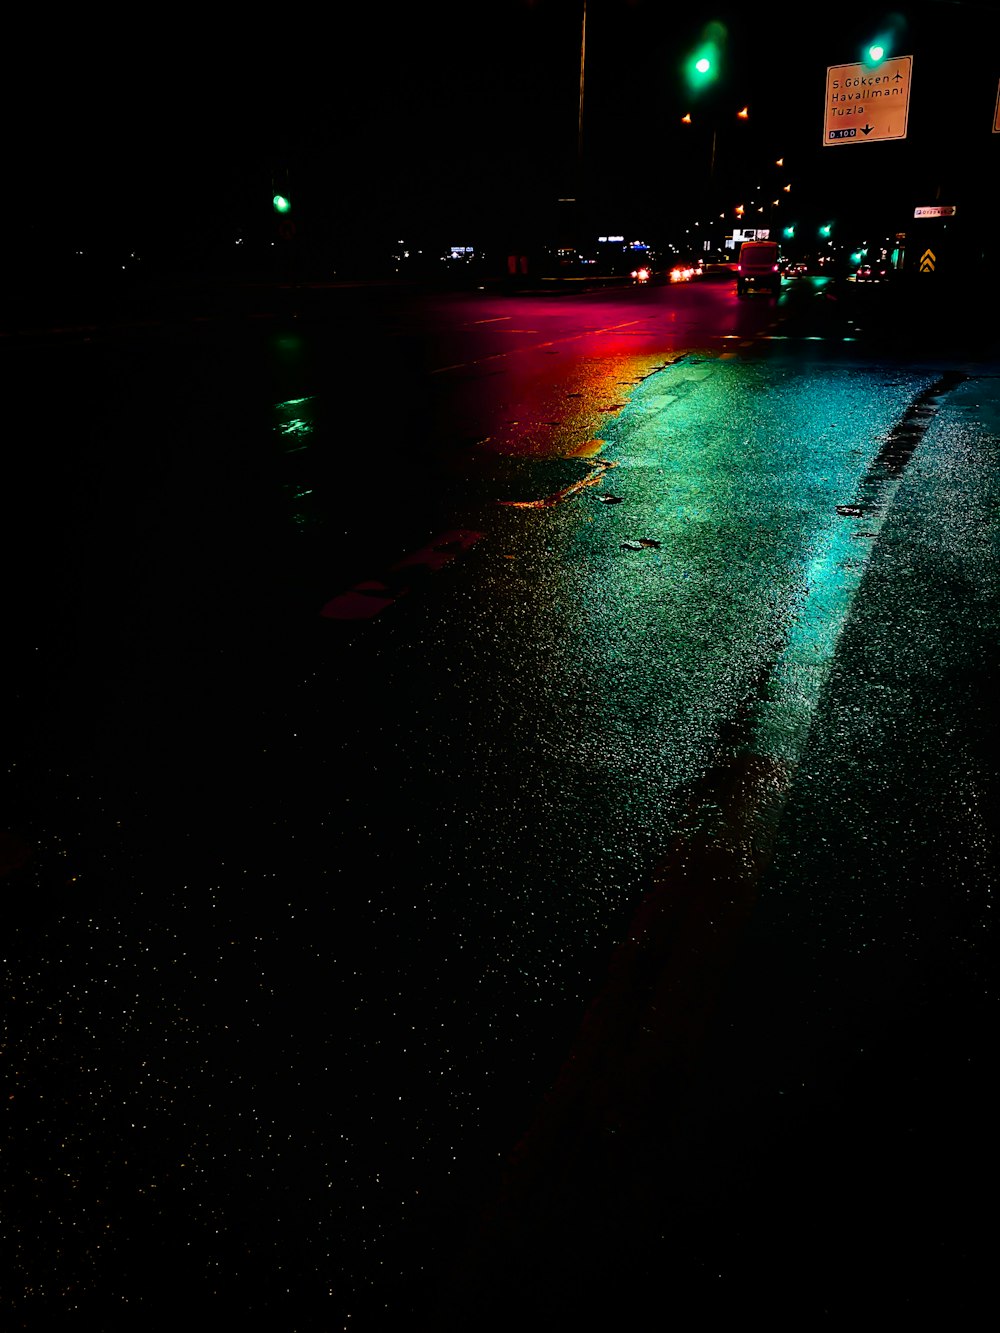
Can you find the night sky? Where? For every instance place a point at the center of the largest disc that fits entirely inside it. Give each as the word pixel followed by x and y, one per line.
pixel 447 120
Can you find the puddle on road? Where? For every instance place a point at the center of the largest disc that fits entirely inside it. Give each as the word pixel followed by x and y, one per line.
pixel 594 476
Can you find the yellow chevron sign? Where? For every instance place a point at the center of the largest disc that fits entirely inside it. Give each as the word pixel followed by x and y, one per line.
pixel 927 261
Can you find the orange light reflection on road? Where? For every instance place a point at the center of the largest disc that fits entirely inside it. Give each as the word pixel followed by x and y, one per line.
pixel 598 469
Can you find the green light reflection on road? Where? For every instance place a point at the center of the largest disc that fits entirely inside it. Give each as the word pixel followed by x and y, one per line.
pixel 797 680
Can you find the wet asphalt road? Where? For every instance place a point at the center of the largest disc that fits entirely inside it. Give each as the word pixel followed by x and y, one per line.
pixel 307 911
pixel 781 1100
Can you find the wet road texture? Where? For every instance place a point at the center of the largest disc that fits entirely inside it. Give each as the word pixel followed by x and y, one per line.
pixel 567 912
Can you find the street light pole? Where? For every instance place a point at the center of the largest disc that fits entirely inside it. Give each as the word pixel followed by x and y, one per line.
pixel 579 119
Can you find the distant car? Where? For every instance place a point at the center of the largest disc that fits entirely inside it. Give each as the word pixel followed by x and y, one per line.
pixel 718 262
pixel 642 274
pixel 871 273
pixel 797 270
pixel 683 271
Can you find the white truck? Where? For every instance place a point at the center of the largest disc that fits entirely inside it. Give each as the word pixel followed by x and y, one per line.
pixel 758 268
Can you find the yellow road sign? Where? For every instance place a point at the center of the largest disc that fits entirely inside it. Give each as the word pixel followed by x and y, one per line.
pixel 927 261
pixel 865 105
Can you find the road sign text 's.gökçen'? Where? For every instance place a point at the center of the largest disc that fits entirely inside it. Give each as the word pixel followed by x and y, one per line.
pixel 865 105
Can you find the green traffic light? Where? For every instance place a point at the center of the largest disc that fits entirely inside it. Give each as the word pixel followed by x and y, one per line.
pixel 826 229
pixel 281 204
pixel 789 232
pixel 876 51
pixel 702 68
pixel 702 65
